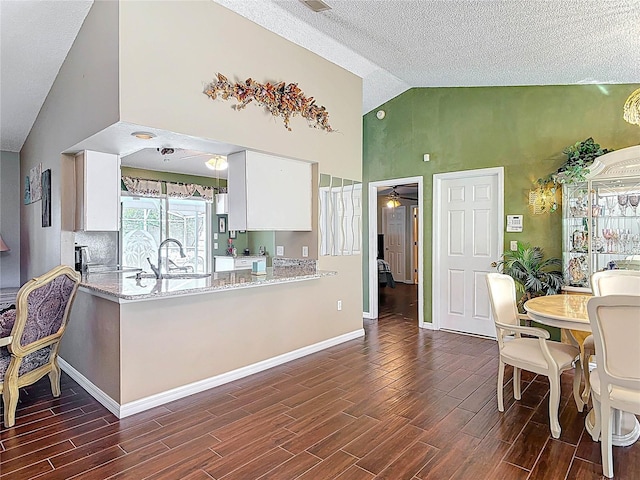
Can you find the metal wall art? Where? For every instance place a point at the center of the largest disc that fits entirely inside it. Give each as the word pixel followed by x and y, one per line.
pixel 283 99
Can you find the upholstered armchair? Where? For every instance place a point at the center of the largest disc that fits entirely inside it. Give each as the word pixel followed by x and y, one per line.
pixel 30 335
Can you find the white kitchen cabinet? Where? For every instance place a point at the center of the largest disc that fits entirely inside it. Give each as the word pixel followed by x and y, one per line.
pixel 222 203
pixel 97 191
pixel 228 263
pixel 267 192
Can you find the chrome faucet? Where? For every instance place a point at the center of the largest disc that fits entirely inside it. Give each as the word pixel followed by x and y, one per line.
pixel 158 269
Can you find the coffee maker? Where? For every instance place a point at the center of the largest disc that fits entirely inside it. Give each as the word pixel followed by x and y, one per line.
pixel 81 258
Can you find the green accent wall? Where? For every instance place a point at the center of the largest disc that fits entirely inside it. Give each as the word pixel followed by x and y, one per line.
pixel 523 129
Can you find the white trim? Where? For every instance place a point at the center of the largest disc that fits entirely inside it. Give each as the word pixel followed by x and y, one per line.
pixel 108 402
pixel 373 244
pixel 143 404
pixel 367 315
pixel 438 178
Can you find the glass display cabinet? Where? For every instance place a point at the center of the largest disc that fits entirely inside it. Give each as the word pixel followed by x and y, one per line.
pixel 601 219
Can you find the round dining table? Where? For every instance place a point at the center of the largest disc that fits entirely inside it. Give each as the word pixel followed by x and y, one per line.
pixel 570 312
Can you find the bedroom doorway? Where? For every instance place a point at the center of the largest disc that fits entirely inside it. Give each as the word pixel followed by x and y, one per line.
pixel 402 258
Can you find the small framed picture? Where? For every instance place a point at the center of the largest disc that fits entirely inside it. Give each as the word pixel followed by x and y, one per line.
pixel 222 225
pixel 232 234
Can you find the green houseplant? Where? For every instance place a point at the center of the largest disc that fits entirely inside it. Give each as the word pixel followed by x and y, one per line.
pixel 580 156
pixel 534 275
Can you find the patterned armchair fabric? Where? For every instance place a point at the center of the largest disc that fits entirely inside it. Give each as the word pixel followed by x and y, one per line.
pixel 35 328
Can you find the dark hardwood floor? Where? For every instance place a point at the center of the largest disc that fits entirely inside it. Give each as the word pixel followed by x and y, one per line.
pixel 401 403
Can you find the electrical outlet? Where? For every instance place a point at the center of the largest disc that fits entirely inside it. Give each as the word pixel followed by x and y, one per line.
pixel 339 305
pixel 215 237
pixel 215 245
pixel 280 250
pixel 514 245
pixel 305 251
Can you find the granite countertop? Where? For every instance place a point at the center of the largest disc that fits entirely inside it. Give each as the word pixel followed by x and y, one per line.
pixel 124 287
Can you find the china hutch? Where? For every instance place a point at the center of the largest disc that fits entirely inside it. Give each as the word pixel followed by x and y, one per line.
pixel 601 219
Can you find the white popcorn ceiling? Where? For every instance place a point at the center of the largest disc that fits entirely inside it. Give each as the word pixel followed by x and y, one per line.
pixel 392 44
pixel 398 44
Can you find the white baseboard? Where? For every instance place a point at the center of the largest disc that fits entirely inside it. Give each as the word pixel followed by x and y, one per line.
pixel 367 315
pixel 108 402
pixel 143 404
pixel 427 325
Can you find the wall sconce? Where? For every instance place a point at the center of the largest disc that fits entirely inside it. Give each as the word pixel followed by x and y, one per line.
pixel 3 246
pixel 631 110
pixel 543 200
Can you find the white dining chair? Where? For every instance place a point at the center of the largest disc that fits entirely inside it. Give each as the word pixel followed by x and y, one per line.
pixel 538 355
pixel 615 382
pixel 606 282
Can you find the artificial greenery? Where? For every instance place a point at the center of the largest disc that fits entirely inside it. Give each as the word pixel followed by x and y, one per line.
pixel 534 275
pixel 580 156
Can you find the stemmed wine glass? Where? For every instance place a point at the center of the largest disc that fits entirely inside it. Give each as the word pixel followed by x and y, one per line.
pixel 607 233
pixel 611 204
pixel 623 198
pixel 633 201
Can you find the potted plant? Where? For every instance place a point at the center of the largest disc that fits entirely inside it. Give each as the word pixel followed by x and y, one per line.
pixel 534 275
pixel 580 156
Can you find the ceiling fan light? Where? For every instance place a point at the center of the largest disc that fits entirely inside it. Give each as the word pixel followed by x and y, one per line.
pixel 217 163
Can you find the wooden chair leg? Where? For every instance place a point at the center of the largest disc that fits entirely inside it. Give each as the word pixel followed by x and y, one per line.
pixel 585 371
pixel 577 373
pixel 595 433
pixel 605 441
pixel 500 385
pixel 554 404
pixel 10 396
pixel 54 378
pixel 517 386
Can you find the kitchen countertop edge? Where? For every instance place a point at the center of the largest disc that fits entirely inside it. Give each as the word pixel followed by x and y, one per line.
pixel 111 286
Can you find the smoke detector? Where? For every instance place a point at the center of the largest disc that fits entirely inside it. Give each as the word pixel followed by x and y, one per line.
pixel 316 5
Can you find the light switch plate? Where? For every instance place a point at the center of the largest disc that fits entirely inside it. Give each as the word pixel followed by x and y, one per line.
pixel 513 245
pixel 305 251
pixel 280 250
pixel 215 237
pixel 215 245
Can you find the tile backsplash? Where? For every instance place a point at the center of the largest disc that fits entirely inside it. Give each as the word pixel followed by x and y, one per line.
pixel 103 246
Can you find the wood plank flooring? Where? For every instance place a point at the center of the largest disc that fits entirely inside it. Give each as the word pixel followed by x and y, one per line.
pixel 401 403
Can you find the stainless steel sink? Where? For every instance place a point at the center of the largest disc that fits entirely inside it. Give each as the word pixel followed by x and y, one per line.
pixel 183 276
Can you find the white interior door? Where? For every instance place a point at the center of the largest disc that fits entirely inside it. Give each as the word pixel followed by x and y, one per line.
pixel 469 239
pixel 394 241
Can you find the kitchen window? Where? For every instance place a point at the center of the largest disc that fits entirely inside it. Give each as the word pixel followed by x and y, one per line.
pixel 146 222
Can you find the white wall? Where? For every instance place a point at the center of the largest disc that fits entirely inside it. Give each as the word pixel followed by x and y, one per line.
pixel 10 200
pixel 83 100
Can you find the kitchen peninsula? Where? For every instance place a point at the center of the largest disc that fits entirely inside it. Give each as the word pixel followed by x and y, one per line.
pixel 136 343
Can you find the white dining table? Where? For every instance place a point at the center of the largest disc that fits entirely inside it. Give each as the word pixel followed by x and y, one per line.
pixel 570 312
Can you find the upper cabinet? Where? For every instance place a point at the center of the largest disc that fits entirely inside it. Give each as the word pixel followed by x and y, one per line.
pixel 268 192
pixel 97 191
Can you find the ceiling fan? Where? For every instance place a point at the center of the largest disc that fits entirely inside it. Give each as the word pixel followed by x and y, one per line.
pixel 212 161
pixel 393 198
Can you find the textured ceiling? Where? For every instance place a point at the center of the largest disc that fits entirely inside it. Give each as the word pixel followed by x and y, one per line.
pixel 392 44
pixel 35 37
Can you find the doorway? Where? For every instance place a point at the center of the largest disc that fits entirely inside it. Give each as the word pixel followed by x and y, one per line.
pixel 375 227
pixel 468 224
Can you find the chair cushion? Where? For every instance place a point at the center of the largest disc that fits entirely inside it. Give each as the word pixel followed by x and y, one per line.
pixel 7 319
pixel 29 363
pixel 46 306
pixel 621 398
pixel 528 350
